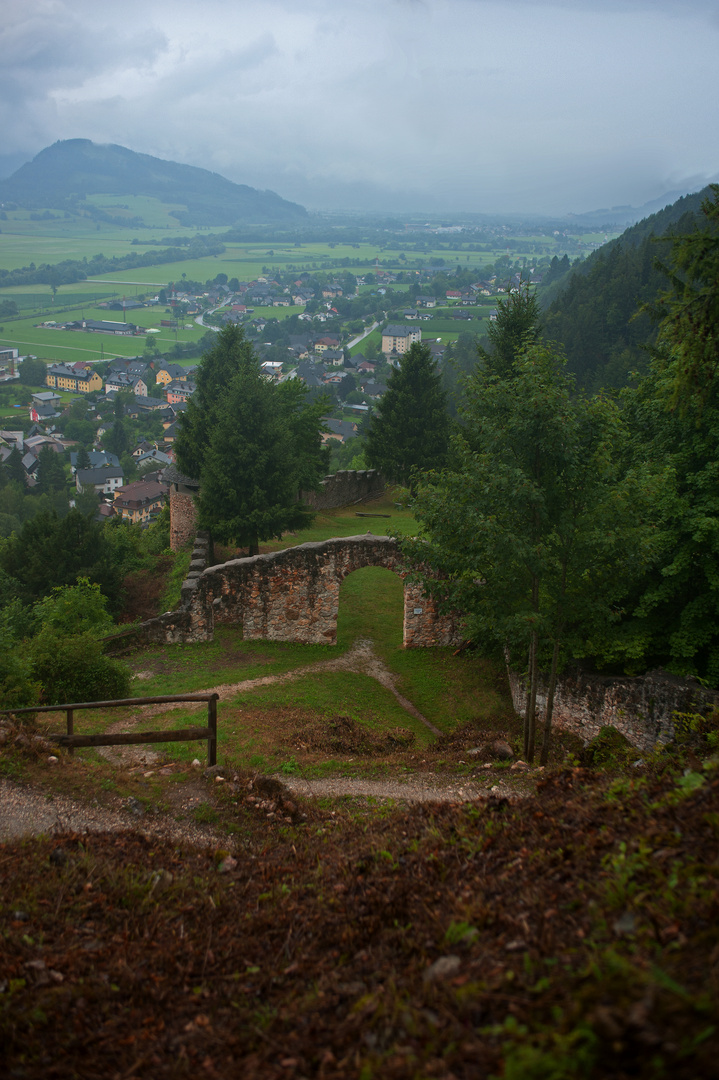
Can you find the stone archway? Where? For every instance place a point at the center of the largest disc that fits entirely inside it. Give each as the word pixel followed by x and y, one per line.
pixel 293 595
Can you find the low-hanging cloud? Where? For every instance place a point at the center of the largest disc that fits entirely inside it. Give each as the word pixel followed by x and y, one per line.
pixel 545 106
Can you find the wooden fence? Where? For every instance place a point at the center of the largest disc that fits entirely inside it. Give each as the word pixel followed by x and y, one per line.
pixel 71 740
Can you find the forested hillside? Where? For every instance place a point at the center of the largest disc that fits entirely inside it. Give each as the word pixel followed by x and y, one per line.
pixel 593 311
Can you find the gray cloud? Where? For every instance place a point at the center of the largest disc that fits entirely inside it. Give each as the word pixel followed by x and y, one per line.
pixel 537 105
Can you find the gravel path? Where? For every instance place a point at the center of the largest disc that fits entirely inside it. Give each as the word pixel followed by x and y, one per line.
pixel 426 788
pixel 26 811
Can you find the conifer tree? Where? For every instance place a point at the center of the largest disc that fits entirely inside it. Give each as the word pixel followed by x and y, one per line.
pixel 410 430
pixel 253 444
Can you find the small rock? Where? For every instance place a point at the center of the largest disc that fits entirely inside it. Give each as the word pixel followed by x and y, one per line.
pixel 626 924
pixel 52 760
pixel 37 970
pixel 227 864
pixel 216 770
pixel 495 787
pixel 196 763
pixel 474 752
pixel 515 946
pixel 442 968
pixel 135 806
pixel 519 765
pixel 160 881
pixel 502 750
pixel 219 779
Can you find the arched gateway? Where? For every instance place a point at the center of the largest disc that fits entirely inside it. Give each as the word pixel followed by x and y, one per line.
pixel 293 595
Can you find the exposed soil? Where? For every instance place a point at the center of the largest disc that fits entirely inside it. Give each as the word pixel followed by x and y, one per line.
pixel 575 934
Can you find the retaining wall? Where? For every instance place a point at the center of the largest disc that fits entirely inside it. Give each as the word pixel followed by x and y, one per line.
pixel 640 707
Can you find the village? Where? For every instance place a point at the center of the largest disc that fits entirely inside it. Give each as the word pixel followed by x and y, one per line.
pixel 155 391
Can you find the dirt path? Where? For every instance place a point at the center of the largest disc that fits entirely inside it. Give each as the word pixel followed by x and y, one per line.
pixel 25 811
pixel 360 658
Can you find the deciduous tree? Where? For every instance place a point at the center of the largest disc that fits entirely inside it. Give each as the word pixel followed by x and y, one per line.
pixel 526 533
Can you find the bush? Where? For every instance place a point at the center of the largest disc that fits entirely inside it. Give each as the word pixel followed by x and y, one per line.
pixel 74 668
pixel 609 749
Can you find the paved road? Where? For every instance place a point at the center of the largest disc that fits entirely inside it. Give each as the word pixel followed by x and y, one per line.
pixel 362 336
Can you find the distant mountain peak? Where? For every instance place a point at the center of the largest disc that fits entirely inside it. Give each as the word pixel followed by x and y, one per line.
pixel 71 170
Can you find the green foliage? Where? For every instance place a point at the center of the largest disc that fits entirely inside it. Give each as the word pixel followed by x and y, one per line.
pixel 690 309
pixel 672 615
pixel 516 328
pixel 526 531
pixel 75 609
pixel 32 372
pixel 608 749
pixel 18 687
pixel 50 551
pixel 410 428
pixel 254 444
pixel 594 315
pixel 50 472
pixel 73 668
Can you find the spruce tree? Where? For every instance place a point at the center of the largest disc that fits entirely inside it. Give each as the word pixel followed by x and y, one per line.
pixel 253 444
pixel 410 430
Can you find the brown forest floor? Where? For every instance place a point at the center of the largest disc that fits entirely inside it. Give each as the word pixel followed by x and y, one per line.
pixel 571 934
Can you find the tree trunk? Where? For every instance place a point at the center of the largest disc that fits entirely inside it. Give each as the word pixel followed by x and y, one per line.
pixel 254 546
pixel 550 703
pixel 531 721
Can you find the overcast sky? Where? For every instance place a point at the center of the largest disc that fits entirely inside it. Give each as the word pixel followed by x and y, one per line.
pixel 548 106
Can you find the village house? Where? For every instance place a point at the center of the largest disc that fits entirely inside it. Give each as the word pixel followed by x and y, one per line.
pixel 167 373
pixel 99 459
pixel 141 501
pixel 105 480
pixel 77 380
pixel 397 339
pixel 179 391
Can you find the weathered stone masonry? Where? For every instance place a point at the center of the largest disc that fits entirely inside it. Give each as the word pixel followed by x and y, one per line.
pixel 640 707
pixel 344 488
pixel 293 595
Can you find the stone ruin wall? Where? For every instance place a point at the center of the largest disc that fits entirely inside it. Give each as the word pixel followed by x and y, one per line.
pixel 640 707
pixel 344 488
pixel 183 517
pixel 293 595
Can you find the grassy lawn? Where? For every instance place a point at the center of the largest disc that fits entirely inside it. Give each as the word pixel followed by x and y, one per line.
pixel 290 723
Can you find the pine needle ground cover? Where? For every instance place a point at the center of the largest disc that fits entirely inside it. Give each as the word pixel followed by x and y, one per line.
pixel 575 934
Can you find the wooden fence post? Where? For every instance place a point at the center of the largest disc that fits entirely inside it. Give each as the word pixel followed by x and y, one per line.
pixel 212 725
pixel 70 727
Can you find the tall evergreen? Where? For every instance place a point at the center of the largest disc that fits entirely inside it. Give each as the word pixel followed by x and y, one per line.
pixel 410 430
pixel 517 326
pixel 254 445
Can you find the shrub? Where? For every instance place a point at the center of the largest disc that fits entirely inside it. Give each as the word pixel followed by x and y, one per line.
pixel 73 667
pixel 609 749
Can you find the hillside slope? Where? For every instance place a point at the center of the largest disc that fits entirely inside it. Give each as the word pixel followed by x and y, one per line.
pixel 71 170
pixel 592 310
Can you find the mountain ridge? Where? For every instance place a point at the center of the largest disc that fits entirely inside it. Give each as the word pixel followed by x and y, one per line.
pixel 70 170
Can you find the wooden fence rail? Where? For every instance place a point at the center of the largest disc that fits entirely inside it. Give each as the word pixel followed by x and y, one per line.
pixel 71 740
